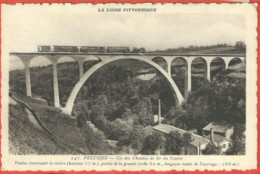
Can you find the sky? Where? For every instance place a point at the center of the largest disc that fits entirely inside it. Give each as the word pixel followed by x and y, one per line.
pixel 30 27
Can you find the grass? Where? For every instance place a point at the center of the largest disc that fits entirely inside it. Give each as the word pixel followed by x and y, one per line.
pixel 59 124
pixel 67 139
pixel 24 139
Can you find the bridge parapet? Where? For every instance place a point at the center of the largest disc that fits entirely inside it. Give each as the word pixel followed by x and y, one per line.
pixel 127 54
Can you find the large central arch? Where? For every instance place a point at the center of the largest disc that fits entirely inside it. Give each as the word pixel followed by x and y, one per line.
pixel 84 78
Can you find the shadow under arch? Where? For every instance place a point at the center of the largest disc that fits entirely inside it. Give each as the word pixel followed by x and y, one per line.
pixel 69 60
pixel 16 79
pixel 198 61
pixel 199 66
pixel 160 61
pixel 40 61
pixel 179 68
pixel 68 75
pixel 234 61
pixel 41 74
pixel 199 71
pixel 70 102
pixel 15 63
pixel 179 61
pixel 66 58
pixel 217 65
pixel 90 63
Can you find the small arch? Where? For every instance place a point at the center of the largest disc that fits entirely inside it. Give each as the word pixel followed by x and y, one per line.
pixel 15 63
pixel 68 75
pixel 92 57
pixel 41 71
pixel 64 59
pixel 70 63
pixel 198 62
pixel 90 63
pixel 40 61
pixel 16 75
pixel 235 61
pixel 179 72
pixel 217 65
pixel 160 61
pixel 198 72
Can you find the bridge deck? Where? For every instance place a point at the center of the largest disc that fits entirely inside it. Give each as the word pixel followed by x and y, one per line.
pixel 128 54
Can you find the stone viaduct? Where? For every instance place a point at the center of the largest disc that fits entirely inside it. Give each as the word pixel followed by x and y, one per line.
pixel 106 58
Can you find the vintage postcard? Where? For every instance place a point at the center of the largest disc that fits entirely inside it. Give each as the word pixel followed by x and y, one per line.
pixel 129 87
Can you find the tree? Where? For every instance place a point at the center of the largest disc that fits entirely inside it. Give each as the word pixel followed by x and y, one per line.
pixel 186 139
pixel 238 141
pixel 95 141
pixel 222 100
pixel 143 110
pixel 81 120
pixel 136 137
pixel 135 50
pixel 240 45
pixel 119 130
pixel 99 121
pixel 211 149
pixel 151 143
pixel 176 143
pixel 127 113
pixel 173 143
pixel 133 139
pixel 175 112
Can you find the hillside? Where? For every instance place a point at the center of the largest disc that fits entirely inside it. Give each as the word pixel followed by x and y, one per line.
pixel 212 49
pixel 25 137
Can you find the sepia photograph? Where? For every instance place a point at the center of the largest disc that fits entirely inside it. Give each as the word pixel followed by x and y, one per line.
pixel 127 80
